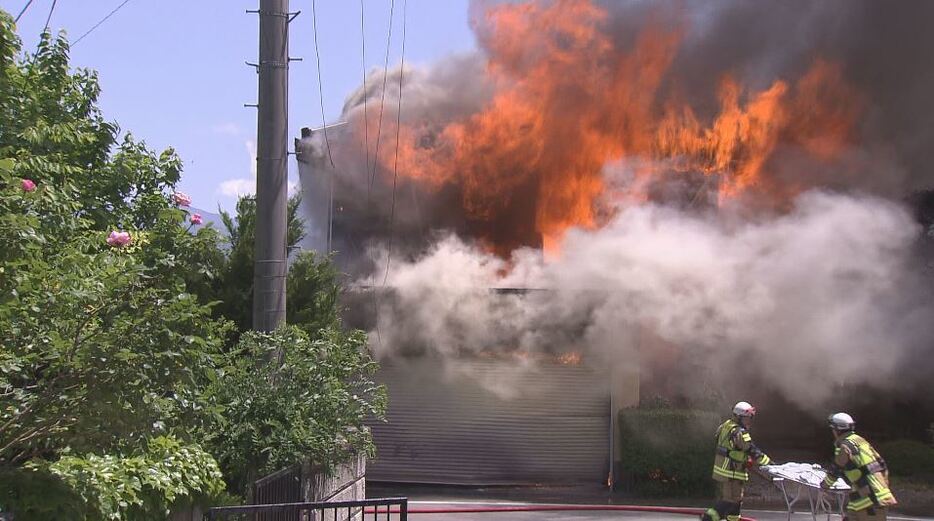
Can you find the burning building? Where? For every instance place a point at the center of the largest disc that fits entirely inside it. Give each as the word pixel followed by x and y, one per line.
pixel 605 190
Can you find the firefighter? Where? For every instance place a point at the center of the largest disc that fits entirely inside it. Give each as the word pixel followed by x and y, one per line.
pixel 735 453
pixel 862 468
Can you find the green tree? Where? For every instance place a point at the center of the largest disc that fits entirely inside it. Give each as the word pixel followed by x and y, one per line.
pixel 309 402
pixel 313 285
pixel 105 348
pixel 313 294
pixel 115 350
pixel 141 486
pixel 235 283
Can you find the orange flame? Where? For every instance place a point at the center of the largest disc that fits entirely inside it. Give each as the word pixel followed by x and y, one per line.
pixel 570 358
pixel 567 102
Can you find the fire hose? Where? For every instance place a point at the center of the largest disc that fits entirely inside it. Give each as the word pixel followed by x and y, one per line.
pixel 554 508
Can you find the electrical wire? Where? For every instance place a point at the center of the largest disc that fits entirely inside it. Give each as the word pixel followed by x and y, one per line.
pixel 23 10
pixel 366 118
pixel 395 165
pixel 324 125
pixel 382 99
pixel 49 18
pixel 366 145
pixel 104 19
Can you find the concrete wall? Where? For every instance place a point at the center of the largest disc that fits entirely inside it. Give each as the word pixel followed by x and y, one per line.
pixel 345 483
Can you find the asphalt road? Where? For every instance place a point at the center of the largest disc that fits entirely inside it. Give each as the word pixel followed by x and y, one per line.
pixel 417 506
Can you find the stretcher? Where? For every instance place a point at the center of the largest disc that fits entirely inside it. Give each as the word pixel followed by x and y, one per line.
pixel 802 481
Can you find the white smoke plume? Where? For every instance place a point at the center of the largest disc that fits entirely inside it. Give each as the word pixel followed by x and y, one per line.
pixel 816 297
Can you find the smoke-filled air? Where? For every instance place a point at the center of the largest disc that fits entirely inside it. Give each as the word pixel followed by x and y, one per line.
pixel 726 177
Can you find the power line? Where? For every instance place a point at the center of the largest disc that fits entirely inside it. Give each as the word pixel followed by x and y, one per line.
pixel 314 23
pixel 104 19
pixel 382 99
pixel 23 10
pixel 366 118
pixel 366 144
pixel 49 18
pixel 324 125
pixel 395 165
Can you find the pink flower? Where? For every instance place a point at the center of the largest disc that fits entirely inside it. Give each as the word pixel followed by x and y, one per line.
pixel 118 239
pixel 29 185
pixel 181 198
pixel 196 218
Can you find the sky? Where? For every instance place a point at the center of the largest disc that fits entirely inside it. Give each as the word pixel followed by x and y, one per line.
pixel 173 72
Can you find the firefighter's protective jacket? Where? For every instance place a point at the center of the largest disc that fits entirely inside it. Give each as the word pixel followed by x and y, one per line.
pixel 734 448
pixel 864 470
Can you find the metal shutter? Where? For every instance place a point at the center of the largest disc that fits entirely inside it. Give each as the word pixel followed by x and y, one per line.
pixel 549 424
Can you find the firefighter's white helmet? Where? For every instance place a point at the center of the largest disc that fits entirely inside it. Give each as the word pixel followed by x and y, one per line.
pixel 841 421
pixel 744 409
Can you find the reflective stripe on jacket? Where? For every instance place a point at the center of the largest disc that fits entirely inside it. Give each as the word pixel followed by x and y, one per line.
pixel 864 470
pixel 734 447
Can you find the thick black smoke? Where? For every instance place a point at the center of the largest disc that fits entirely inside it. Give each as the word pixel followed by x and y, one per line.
pixel 886 50
pixel 829 291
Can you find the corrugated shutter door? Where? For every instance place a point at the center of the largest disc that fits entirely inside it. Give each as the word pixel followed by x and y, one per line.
pixel 491 423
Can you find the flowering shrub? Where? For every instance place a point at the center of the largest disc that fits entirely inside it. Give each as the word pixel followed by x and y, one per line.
pixel 181 199
pixel 102 354
pixel 111 366
pixel 118 239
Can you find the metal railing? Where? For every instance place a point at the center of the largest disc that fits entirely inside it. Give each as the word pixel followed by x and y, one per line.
pixel 284 486
pixel 363 510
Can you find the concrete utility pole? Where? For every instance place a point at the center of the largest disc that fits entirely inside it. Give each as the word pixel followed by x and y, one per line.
pixel 271 268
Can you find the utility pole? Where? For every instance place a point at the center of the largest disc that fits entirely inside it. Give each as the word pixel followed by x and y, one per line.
pixel 271 262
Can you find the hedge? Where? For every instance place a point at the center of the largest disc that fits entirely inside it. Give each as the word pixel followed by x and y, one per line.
pixel 909 459
pixel 668 452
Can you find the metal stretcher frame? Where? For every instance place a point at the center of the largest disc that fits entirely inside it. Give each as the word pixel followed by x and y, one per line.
pixel 822 501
